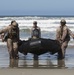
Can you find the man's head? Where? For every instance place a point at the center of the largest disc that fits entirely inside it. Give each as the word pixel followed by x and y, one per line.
pixel 63 22
pixel 14 23
pixel 35 23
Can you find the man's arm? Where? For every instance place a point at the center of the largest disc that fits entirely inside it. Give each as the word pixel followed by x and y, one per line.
pixel 58 34
pixel 70 33
pixel 31 32
pixel 65 32
pixel 39 33
pixel 4 30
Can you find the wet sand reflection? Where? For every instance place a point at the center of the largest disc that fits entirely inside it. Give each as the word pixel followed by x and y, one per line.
pixel 36 63
pixel 61 63
pixel 42 61
pixel 13 63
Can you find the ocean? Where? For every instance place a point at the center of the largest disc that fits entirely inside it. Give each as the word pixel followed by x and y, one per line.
pixel 48 25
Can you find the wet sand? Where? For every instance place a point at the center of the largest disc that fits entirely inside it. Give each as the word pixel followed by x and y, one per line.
pixel 36 71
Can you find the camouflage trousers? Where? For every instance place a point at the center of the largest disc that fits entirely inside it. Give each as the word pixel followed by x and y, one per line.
pixel 12 46
pixel 64 45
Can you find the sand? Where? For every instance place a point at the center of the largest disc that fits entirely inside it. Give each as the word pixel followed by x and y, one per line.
pixel 36 71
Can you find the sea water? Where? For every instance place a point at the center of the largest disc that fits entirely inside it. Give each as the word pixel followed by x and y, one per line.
pixel 48 27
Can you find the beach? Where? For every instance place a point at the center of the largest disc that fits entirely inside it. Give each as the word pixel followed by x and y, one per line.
pixel 48 15
pixel 46 63
pixel 36 71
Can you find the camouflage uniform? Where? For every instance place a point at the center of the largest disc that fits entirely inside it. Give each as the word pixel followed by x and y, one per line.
pixel 12 40
pixel 35 31
pixel 63 36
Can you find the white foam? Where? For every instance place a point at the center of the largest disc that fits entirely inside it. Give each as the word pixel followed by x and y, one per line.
pixel 45 23
pixel 49 24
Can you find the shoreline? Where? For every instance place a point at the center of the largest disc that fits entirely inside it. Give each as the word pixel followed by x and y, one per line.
pixel 45 61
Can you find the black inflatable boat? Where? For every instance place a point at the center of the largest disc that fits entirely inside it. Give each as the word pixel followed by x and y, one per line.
pixel 40 46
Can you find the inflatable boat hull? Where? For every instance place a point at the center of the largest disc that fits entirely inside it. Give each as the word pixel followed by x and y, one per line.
pixel 40 46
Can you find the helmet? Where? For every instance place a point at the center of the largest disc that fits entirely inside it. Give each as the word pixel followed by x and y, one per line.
pixel 35 22
pixel 63 21
pixel 14 23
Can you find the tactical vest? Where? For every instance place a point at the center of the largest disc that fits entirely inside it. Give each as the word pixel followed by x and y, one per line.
pixel 13 33
pixel 67 36
pixel 36 33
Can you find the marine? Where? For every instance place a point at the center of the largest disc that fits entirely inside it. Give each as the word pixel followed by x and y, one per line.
pixel 35 31
pixel 63 34
pixel 12 38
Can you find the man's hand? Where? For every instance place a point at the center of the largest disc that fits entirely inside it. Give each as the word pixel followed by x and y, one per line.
pixel 61 41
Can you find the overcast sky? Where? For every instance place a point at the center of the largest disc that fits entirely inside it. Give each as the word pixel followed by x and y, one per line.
pixel 36 7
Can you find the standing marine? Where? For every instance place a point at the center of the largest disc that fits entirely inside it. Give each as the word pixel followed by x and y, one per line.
pixel 35 34
pixel 35 31
pixel 12 38
pixel 63 36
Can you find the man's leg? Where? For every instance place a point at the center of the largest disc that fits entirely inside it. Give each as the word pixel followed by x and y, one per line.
pixel 64 46
pixel 10 48
pixel 15 48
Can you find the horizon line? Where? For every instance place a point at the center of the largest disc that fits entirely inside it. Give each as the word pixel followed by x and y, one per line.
pixel 37 15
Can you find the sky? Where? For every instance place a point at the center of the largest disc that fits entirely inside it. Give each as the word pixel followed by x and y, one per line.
pixel 36 7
